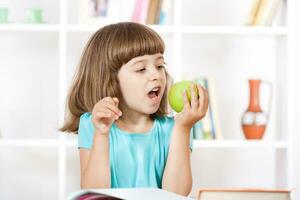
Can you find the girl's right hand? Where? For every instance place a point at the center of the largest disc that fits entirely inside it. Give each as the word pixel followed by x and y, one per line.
pixel 104 113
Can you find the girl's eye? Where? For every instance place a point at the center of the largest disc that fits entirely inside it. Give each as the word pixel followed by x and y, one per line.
pixel 161 67
pixel 141 70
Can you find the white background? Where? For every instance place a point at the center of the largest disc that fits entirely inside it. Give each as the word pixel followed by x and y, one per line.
pixel 37 65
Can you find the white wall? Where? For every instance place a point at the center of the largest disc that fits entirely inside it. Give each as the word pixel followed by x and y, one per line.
pixel 30 64
pixel 297 107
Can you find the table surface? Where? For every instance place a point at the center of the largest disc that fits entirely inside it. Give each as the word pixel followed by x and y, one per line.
pixel 134 194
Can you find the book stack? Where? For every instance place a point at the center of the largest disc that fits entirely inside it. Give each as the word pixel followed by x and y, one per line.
pixel 262 12
pixel 208 127
pixel 243 194
pixel 140 11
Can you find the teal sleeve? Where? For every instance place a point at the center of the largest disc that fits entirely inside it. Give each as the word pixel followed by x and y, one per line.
pixel 85 131
pixel 169 124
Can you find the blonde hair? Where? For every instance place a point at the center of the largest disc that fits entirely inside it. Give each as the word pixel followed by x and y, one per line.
pixel 96 77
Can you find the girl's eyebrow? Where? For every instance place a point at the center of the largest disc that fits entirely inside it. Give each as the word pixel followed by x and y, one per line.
pixel 143 59
pixel 160 57
pixel 136 62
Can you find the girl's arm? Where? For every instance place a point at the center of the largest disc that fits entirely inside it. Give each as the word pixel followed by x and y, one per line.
pixel 94 164
pixel 177 174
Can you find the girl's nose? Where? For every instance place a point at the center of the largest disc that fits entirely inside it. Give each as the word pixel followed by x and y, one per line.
pixel 155 74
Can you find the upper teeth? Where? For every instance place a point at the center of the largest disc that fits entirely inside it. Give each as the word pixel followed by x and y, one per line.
pixel 155 89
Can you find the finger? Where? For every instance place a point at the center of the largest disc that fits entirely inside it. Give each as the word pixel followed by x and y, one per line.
pixel 206 101
pixel 106 114
pixel 116 100
pixel 109 99
pixel 112 106
pixel 113 100
pixel 103 114
pixel 186 103
pixel 110 113
pixel 203 99
pixel 194 98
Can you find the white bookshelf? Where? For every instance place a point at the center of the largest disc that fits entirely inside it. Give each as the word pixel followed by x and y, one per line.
pixel 235 30
pixel 29 143
pixel 240 144
pixel 218 30
pixel 66 40
pixel 197 143
pixel 30 28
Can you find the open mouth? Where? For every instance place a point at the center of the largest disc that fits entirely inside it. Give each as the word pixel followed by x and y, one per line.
pixel 154 93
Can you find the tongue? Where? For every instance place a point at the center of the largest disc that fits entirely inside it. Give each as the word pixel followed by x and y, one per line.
pixel 152 95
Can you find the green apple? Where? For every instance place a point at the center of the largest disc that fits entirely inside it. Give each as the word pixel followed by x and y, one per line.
pixel 175 97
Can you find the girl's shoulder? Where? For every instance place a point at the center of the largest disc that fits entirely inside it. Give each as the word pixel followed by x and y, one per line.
pixel 85 115
pixel 85 131
pixel 85 120
pixel 165 125
pixel 165 121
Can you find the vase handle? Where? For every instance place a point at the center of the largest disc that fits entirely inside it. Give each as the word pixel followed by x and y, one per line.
pixel 270 85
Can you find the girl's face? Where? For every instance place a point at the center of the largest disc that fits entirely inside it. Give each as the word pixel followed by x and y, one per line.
pixel 142 83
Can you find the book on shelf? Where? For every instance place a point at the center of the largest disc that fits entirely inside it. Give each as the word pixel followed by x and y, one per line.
pixel 263 12
pixel 92 11
pixel 253 12
pixel 208 127
pixel 105 11
pixel 165 14
pixel 243 194
pixel 140 11
pixel 152 11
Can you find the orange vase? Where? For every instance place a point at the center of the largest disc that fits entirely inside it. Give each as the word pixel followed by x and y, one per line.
pixel 254 120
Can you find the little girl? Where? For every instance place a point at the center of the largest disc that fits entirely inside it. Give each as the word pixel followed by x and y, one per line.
pixel 118 106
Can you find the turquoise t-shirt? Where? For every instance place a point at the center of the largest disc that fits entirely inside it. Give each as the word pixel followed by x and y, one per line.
pixel 136 159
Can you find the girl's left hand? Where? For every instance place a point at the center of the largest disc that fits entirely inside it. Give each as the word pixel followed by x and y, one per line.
pixel 195 110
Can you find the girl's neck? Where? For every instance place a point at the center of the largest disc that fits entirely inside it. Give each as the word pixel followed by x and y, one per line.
pixel 133 121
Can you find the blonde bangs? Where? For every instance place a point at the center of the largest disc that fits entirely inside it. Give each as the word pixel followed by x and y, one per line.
pixel 135 40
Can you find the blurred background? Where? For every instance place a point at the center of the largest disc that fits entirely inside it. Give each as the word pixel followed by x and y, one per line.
pixel 220 44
